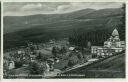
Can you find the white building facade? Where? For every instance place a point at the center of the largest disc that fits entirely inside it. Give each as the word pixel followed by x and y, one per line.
pixel 112 45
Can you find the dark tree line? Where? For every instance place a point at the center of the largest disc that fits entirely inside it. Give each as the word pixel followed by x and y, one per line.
pixel 96 37
pixel 121 26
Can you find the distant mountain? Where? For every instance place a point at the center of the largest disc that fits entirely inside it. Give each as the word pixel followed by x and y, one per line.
pixel 41 28
pixel 103 13
pixel 16 23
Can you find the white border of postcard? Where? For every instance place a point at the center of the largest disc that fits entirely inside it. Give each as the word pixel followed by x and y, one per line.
pixel 63 80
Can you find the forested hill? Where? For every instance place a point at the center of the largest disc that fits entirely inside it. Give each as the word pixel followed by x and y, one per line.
pixel 24 22
pixel 87 23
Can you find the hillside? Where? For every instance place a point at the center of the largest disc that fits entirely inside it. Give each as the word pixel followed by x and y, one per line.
pixel 23 22
pixel 103 13
pixel 41 30
pixel 113 67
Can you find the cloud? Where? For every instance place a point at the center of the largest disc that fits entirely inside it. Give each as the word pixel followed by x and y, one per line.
pixel 53 7
pixel 62 8
pixel 72 6
pixel 95 5
pixel 31 6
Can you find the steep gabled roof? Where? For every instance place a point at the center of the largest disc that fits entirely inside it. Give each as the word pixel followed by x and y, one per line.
pixel 115 32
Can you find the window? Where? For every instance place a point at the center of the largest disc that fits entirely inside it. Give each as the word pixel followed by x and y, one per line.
pixel 116 50
pixel 98 53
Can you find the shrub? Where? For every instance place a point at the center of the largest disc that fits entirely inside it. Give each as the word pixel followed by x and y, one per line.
pixel 37 67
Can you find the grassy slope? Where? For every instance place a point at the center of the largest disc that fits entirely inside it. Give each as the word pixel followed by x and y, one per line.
pixel 114 69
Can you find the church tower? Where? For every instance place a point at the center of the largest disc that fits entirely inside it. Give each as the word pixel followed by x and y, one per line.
pixel 115 32
pixel 115 35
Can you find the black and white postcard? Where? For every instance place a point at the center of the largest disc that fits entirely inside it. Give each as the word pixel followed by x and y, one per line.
pixel 64 40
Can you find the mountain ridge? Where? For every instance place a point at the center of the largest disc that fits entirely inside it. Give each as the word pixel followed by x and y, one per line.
pixel 23 22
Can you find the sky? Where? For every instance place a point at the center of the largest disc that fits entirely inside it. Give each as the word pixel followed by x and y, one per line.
pixel 32 8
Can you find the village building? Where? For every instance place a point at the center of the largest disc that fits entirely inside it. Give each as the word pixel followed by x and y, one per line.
pixel 112 45
pixel 32 58
pixel 11 65
pixel 71 48
pixel 50 63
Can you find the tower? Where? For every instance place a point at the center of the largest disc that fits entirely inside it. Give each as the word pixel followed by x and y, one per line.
pixel 115 33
